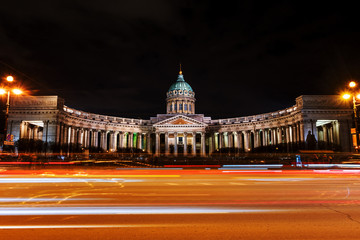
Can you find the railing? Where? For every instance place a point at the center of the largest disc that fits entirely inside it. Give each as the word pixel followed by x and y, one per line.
pixel 246 119
pixel 104 118
pixel 255 118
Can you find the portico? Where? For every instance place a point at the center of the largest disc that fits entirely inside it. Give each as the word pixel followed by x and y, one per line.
pixel 180 136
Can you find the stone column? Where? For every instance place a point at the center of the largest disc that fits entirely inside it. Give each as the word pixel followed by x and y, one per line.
pixel 149 142
pixel 65 135
pixel 236 140
pixel 131 140
pixel 175 144
pixel 81 137
pixel 72 135
pixel 231 139
pixel 225 140
pixel 96 138
pixel 102 140
pixel 255 138
pixel 157 143
pixel 273 136
pixel 166 143
pixel 194 144
pixel 185 143
pixel 265 137
pixel 294 130
pixel 141 141
pixel 325 134
pixel 331 133
pixel 111 142
pixel 84 137
pixel 121 139
pixel 279 135
pixel 92 143
pixel 302 133
pixel 247 141
pixel 287 137
pixel 216 141
pixel 203 149
pixel 221 140
pixel 240 140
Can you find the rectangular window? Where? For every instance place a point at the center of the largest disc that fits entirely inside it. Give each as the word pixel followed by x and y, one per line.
pixel 175 107
pixel 190 107
pixel 180 106
pixel 170 107
pixel 185 107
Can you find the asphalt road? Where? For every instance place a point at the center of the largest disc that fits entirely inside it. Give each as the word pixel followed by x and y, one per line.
pixel 179 204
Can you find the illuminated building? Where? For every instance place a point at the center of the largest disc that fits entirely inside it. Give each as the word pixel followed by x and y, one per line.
pixel 181 130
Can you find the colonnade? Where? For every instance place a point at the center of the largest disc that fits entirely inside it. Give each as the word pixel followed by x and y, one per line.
pixel 204 141
pixel 31 131
pixel 104 139
pixel 249 139
pixel 295 133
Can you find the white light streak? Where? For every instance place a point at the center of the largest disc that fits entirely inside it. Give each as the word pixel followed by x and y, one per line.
pixel 45 199
pixel 82 226
pixel 42 211
pixel 63 180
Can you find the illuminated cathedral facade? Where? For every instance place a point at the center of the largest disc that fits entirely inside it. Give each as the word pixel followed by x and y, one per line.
pixel 182 131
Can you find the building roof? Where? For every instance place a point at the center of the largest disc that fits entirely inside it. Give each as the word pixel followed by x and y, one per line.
pixel 180 84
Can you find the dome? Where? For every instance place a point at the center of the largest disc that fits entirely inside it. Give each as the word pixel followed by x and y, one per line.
pixel 180 88
pixel 180 84
pixel 180 97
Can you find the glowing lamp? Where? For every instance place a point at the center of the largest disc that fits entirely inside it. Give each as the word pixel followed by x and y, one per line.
pixel 346 96
pixel 17 91
pixel 358 96
pixel 352 84
pixel 2 91
pixel 10 78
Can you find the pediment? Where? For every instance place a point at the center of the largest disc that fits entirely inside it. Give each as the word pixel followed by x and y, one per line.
pixel 180 120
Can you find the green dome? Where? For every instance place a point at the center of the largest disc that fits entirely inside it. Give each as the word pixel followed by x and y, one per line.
pixel 180 84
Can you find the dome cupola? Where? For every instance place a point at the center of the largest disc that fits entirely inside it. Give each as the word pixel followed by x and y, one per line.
pixel 180 97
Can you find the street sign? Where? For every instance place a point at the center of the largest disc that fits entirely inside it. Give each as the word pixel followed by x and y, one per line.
pixel 9 139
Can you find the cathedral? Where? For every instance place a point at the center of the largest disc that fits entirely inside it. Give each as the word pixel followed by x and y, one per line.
pixel 182 131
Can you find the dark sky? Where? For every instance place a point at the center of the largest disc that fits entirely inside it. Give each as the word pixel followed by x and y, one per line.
pixel 120 57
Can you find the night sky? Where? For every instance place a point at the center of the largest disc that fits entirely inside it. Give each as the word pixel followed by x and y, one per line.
pixel 120 57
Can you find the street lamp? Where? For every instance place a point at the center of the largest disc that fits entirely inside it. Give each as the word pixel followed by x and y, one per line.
pixel 352 92
pixel 7 90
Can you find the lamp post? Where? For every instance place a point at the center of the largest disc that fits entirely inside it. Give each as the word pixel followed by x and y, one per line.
pixel 352 93
pixel 7 90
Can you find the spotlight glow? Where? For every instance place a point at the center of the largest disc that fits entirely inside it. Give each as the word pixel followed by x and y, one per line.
pixel 346 96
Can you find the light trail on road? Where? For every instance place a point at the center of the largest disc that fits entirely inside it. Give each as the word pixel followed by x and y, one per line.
pixel 196 203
